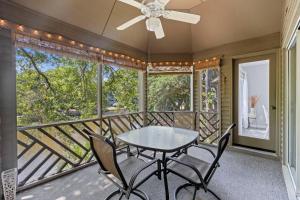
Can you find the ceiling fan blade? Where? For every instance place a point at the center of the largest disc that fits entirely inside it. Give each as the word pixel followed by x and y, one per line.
pixel 131 22
pixel 133 3
pixel 159 31
pixel 181 16
pixel 164 2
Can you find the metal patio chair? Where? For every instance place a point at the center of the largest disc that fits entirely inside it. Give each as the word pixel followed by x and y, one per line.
pixel 126 172
pixel 198 172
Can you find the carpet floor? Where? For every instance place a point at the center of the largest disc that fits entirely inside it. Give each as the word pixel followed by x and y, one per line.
pixel 240 177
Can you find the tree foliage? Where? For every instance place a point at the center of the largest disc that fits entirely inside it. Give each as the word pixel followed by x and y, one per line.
pixel 53 88
pixel 120 89
pixel 169 92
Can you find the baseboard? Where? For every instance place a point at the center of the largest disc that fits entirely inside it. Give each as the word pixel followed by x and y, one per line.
pixel 289 183
pixel 254 152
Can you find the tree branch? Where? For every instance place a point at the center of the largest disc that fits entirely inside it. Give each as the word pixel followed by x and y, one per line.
pixel 30 57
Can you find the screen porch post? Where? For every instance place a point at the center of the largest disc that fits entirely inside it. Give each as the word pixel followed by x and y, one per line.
pixel 8 123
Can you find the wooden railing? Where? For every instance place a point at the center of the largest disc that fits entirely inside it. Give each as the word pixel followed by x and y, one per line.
pixel 48 151
pixel 208 124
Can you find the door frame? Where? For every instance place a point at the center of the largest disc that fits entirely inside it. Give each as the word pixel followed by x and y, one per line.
pixel 276 52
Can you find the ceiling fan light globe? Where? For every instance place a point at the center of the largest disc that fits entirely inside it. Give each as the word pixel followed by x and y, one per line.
pixel 152 23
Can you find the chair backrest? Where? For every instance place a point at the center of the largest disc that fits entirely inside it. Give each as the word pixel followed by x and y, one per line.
pixel 105 153
pixel 222 144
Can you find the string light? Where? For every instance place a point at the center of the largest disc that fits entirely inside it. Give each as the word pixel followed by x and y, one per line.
pixel 35 32
pixel 49 35
pixel 21 28
pixel 2 22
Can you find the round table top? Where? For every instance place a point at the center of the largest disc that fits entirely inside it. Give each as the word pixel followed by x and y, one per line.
pixel 159 138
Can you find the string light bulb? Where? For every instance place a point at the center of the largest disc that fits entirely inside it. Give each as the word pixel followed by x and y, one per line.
pixel 60 37
pixel 49 35
pixel 21 28
pixel 2 22
pixel 35 32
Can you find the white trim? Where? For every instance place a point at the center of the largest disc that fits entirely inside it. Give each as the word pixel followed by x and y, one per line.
pixel 289 183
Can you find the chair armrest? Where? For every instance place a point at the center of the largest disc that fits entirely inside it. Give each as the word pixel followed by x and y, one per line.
pixel 135 175
pixel 207 149
pixel 189 166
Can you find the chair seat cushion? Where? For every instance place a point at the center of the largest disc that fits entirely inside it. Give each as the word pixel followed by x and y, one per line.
pixel 201 165
pixel 131 165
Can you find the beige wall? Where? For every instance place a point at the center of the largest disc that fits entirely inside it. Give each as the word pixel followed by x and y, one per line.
pixel 234 50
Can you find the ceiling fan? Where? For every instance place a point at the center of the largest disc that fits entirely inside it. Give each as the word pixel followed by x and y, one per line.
pixel 152 11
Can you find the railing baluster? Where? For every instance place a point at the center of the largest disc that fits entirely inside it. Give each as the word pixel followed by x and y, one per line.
pixel 36 169
pixel 58 142
pixel 30 160
pixel 70 138
pixel 49 168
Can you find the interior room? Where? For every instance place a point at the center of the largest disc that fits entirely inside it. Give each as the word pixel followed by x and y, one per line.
pixel 149 99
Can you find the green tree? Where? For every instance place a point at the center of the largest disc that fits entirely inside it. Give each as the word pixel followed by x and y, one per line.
pixel 120 88
pixel 52 88
pixel 169 92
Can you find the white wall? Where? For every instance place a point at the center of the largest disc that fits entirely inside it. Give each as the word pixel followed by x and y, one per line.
pixel 258 85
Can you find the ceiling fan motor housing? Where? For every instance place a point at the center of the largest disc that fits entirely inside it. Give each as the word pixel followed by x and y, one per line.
pixel 153 9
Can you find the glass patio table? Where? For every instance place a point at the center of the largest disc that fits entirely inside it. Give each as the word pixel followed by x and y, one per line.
pixel 161 139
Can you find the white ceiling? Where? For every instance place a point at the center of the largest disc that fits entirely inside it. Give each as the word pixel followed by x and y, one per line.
pixel 222 22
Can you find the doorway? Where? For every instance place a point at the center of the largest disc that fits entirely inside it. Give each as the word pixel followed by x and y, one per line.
pixel 254 102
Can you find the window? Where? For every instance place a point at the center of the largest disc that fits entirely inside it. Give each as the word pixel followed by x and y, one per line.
pixel 53 88
pixel 169 92
pixel 209 90
pixel 120 90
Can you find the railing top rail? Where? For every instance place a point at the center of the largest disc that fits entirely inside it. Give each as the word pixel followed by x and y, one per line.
pixel 171 112
pixel 21 128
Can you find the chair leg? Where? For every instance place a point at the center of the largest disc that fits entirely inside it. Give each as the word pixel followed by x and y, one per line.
pixel 213 194
pixel 113 194
pixel 195 192
pixel 180 188
pixel 121 196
